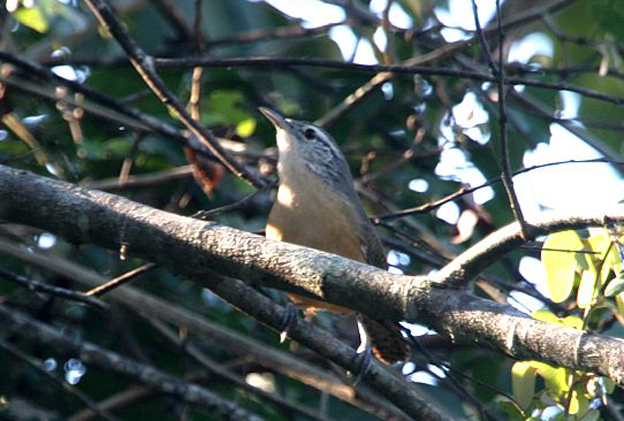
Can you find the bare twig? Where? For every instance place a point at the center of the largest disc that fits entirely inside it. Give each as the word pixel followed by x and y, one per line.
pixel 485 47
pixel 499 71
pixel 120 280
pixel 206 214
pixel 63 293
pixel 144 65
pixel 259 35
pixel 142 180
pixel 428 207
pixel 384 72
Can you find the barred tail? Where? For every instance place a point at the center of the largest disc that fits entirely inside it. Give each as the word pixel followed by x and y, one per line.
pixel 387 342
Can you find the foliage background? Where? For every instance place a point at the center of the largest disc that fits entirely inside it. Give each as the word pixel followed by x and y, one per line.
pixel 390 139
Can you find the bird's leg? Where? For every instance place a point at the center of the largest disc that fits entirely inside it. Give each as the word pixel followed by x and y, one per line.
pixel 364 354
pixel 288 319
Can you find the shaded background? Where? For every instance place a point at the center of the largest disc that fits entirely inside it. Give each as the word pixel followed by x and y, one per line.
pixel 412 142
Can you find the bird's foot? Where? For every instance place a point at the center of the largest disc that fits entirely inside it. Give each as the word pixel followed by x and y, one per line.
pixel 288 319
pixel 363 358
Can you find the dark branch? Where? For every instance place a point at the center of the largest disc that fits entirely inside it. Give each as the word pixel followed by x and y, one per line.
pixel 19 324
pixel 144 65
pixel 89 216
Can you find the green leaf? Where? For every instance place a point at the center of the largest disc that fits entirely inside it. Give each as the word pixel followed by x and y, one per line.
pixel 510 410
pixel 619 302
pixel 579 404
pixel 523 382
pixel 600 242
pixel 546 316
pixel 549 317
pixel 32 17
pixel 608 384
pixel 246 127
pixel 227 106
pixel 573 321
pixel 592 415
pixel 561 263
pixel 556 378
pixel 615 287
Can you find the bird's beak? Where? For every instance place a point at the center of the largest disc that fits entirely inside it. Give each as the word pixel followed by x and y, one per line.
pixel 276 118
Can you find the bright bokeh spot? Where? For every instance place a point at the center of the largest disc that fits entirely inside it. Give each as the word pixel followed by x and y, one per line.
pixel 313 13
pixel 418 185
pixel 397 15
pixel 460 15
pixel 360 50
pixel 533 271
pixel 571 187
pixel 448 212
pixel 530 46
pixel 46 240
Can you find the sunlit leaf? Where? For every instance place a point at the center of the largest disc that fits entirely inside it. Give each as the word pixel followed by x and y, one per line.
pixel 619 302
pixel 599 242
pixel 555 378
pixel 246 127
pixel 546 316
pixel 561 263
pixel 579 404
pixel 523 382
pixel 32 17
pixel 586 290
pixel 572 321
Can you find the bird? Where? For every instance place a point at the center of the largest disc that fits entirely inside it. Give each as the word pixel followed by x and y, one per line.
pixel 317 206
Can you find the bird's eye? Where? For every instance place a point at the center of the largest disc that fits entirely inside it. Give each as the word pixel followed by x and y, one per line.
pixel 310 134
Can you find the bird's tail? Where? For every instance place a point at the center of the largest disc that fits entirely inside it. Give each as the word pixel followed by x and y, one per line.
pixel 387 342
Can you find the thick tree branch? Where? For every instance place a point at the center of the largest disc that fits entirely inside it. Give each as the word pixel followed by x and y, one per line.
pixel 89 216
pixel 249 300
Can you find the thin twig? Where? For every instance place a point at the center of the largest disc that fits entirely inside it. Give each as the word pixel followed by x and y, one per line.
pixel 195 99
pixel 144 64
pixel 141 180
pixel 205 214
pixel 64 293
pixel 259 35
pixel 504 140
pixel 385 72
pixel 485 47
pixel 120 280
pixel 428 207
pixel 285 62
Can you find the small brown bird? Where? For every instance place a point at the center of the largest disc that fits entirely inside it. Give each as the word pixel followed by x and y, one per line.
pixel 317 207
